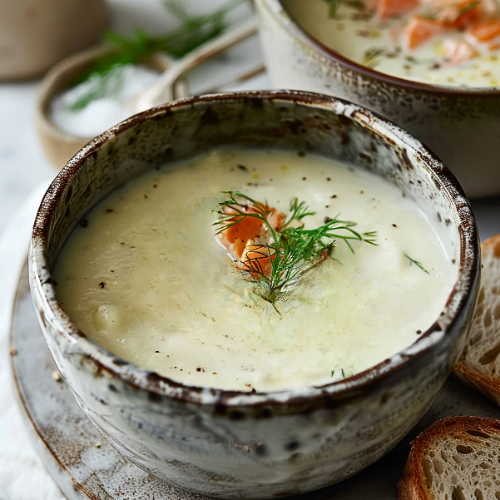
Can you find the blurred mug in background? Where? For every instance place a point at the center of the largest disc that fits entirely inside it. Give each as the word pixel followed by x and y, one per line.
pixel 36 34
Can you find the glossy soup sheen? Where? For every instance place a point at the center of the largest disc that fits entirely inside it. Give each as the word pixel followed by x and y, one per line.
pixel 145 277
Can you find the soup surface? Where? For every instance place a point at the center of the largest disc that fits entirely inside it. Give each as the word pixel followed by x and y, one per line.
pixel 445 42
pixel 145 276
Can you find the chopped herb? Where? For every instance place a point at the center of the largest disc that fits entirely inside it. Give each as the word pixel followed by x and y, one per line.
pixel 341 373
pixel 371 57
pixel 368 33
pixel 293 250
pixel 418 264
pixel 333 6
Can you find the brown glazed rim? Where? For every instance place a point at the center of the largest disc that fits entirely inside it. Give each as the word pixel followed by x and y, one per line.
pixel 163 386
pixel 283 17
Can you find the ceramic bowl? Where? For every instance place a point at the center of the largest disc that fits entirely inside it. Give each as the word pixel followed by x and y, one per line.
pixel 462 126
pixel 233 444
pixel 59 145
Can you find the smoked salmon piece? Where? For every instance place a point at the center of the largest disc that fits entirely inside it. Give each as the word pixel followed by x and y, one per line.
pixel 420 30
pixel 467 12
pixel 484 32
pixel 256 259
pixel 458 51
pixel 236 237
pixel 393 8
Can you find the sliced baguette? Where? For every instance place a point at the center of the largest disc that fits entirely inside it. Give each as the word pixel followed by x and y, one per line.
pixel 479 365
pixel 457 458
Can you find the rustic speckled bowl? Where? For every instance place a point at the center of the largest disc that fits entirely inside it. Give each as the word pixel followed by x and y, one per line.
pixel 462 126
pixel 240 444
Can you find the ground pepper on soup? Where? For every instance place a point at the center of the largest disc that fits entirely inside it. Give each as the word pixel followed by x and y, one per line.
pixel 149 277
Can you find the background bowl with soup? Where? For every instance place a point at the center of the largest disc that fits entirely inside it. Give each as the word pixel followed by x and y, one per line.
pixel 280 431
pixel 453 110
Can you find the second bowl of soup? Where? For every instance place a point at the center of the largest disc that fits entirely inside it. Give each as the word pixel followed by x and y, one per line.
pixel 431 67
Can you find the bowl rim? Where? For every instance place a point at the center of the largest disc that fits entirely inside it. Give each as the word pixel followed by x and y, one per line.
pixel 43 288
pixel 282 15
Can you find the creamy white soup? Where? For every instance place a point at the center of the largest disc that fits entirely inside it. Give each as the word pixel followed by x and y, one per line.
pixel 444 42
pixel 146 277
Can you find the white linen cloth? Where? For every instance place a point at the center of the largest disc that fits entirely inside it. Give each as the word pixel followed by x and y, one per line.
pixel 22 475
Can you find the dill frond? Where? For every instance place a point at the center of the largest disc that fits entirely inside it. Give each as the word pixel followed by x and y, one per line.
pixel 372 56
pixel 417 263
pixel 333 5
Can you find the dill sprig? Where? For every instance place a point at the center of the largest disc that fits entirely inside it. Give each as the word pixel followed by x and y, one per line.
pixel 417 263
pixel 372 56
pixel 194 30
pixel 292 250
pixel 334 5
pixel 341 373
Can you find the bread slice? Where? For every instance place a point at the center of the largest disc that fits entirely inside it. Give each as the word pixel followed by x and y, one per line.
pixel 457 458
pixel 479 365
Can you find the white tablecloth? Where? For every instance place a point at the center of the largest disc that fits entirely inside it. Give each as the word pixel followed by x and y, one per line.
pixel 22 475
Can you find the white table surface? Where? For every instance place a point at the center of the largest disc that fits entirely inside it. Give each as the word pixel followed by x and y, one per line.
pixel 23 169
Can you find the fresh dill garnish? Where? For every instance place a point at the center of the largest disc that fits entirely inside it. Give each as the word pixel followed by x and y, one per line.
pixel 333 5
pixel 371 56
pixel 194 30
pixel 292 250
pixel 341 373
pixel 417 263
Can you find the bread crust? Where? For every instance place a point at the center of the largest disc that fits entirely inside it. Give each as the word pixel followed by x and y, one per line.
pixel 488 384
pixel 412 485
